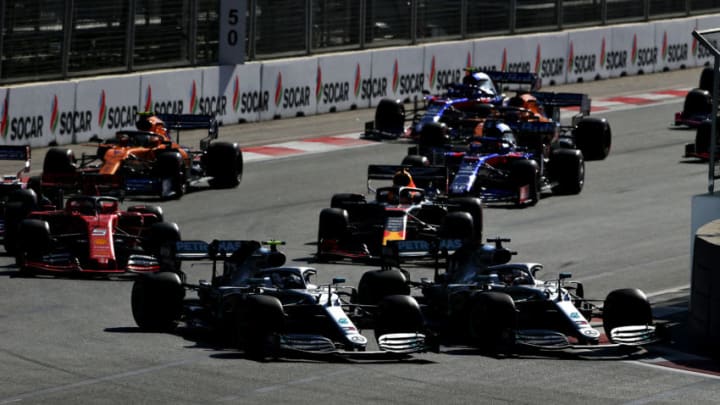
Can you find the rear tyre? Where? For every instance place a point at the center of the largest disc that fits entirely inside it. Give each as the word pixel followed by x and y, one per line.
pixel 156 301
pixel 628 306
pixel 567 168
pixel 154 210
pixel 390 116
pixel 415 161
pixel 697 101
pixel 169 165
pixel 525 172
pixel 702 137
pixel 224 162
pixel 593 137
pixel 706 79
pixel 433 135
pixel 59 161
pixel 457 225
pixel 472 206
pixel 375 285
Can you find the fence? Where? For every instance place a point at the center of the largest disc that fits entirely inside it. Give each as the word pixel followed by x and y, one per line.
pixel 60 39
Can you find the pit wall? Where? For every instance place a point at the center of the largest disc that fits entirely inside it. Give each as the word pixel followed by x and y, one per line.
pixel 57 113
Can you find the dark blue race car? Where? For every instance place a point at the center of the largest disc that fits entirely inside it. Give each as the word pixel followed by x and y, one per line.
pixel 497 169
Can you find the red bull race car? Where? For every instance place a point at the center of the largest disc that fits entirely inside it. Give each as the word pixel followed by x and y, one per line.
pixel 404 221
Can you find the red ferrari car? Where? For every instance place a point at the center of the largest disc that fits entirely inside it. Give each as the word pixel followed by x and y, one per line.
pixel 92 235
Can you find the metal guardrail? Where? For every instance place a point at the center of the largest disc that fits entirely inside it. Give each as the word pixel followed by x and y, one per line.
pixel 60 39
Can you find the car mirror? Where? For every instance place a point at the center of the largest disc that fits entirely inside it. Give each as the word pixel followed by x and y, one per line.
pixel 338 280
pixel 564 276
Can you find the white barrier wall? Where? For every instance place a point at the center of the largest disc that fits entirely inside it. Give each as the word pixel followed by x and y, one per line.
pixel 341 81
pixel 234 93
pixel 291 84
pixel 587 55
pixel 675 45
pixel 109 104
pixel 399 72
pixel 73 111
pixel 171 92
pixel 40 114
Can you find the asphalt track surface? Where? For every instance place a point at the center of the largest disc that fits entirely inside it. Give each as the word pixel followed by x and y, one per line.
pixel 67 340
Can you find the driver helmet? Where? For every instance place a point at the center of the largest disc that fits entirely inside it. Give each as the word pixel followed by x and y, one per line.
pixel 403 178
pixel 152 124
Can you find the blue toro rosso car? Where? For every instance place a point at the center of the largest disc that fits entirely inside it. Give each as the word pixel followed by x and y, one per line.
pixel 476 92
pixel 496 169
pixel 458 115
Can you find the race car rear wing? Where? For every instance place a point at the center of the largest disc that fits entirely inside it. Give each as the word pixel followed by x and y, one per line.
pixel 217 249
pixel 15 152
pixel 425 177
pixel 520 81
pixel 180 122
pixel 552 102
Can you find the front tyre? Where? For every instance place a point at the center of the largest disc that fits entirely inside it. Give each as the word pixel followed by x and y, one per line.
pixel 156 301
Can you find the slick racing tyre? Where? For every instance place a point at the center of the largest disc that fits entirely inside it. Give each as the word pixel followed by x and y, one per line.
pixel 346 200
pixel 59 161
pixel 398 314
pixel 390 116
pixel 169 165
pixel 702 137
pixel 156 301
pixel 473 206
pixel 415 161
pixel 160 242
pixel 33 240
pixel 457 225
pixel 493 320
pixel 155 211
pixel 19 204
pixel 706 79
pixel 334 223
pixel 567 169
pixel 260 320
pixel 628 306
pixel 697 101
pixel 593 137
pixel 433 135
pixel 374 285
pixel 224 163
pixel 525 172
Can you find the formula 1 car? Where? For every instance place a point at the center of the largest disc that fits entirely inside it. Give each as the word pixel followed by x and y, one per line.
pixel 270 310
pixel 698 102
pixel 147 162
pixel 91 235
pixel 484 300
pixel 403 222
pixel 473 95
pixel 495 168
pixel 461 114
